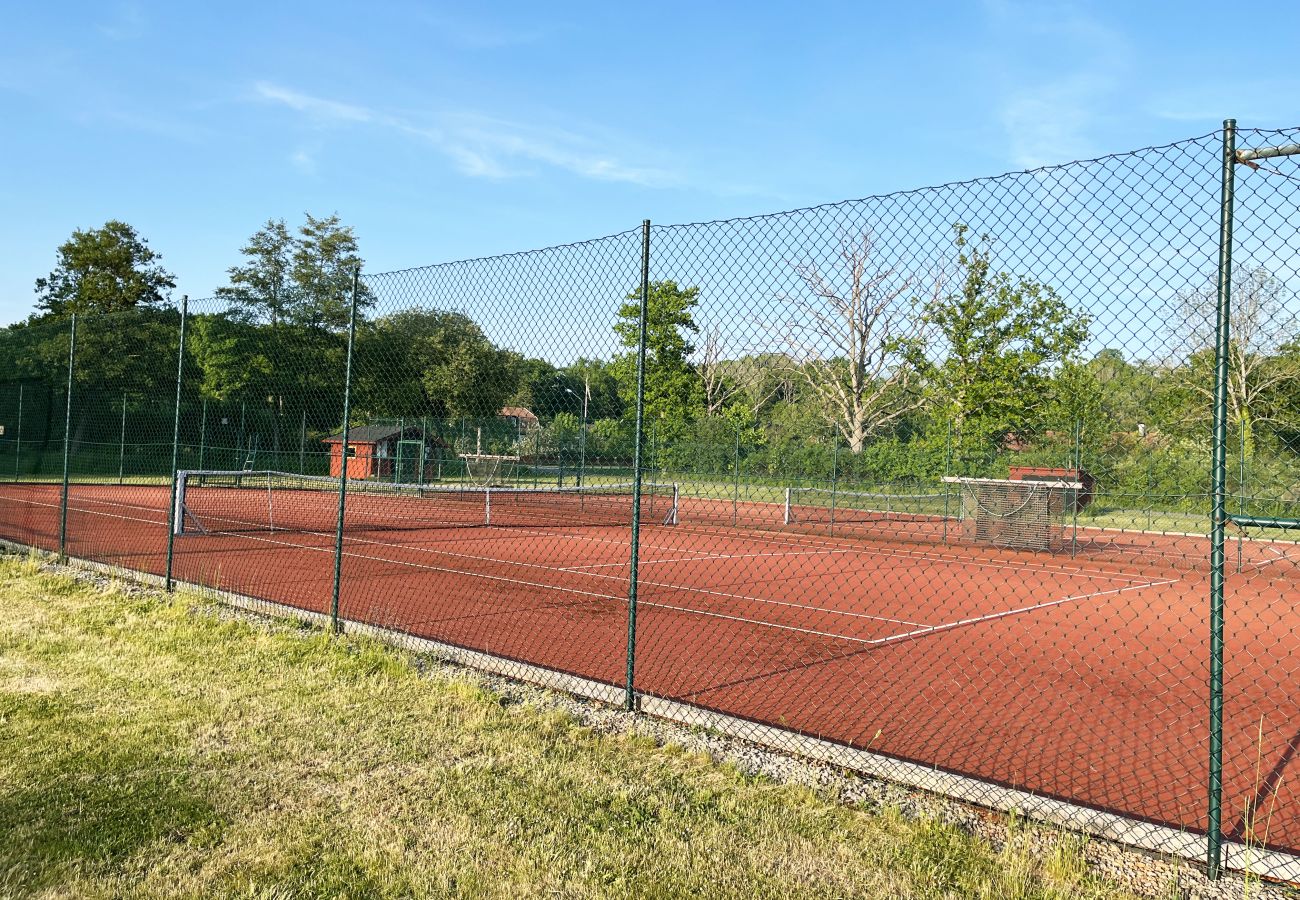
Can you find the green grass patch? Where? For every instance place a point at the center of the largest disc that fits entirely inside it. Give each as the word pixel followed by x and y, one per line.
pixel 150 749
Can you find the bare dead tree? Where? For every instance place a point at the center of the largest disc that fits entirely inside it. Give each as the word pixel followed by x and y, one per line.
pixel 1261 325
pixel 725 380
pixel 850 341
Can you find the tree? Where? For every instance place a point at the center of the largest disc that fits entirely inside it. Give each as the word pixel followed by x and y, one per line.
pixel 303 280
pixel 672 386
pixel 431 363
pixel 749 379
pixel 1260 371
pixel 263 286
pixel 103 270
pixel 325 259
pixel 1002 337
pixel 854 341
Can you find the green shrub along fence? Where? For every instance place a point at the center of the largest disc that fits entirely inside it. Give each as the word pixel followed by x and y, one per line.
pixel 988 488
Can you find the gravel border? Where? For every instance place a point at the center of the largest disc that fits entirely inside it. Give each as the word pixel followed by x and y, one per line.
pixel 1143 873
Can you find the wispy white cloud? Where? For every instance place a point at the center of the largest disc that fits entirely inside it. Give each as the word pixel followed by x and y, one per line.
pixel 1061 69
pixel 480 146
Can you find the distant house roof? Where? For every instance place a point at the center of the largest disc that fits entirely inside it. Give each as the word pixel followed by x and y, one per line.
pixel 518 412
pixel 372 434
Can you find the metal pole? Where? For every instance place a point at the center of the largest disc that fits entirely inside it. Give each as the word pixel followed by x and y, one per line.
pixel 203 430
pixel 1241 487
pixel 18 435
pixel 343 462
pixel 121 443
pixel 176 442
pixel 1078 477
pixel 735 483
pixel 67 436
pixel 835 472
pixel 302 444
pixel 1218 513
pixel 582 440
pixel 637 440
pixel 947 471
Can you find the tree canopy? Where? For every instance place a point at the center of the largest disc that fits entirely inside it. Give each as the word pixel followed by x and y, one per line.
pixel 103 270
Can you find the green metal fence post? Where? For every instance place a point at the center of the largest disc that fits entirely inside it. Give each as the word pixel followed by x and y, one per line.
pixel 835 472
pixel 343 460
pixel 1218 515
pixel 947 471
pixel 18 433
pixel 67 438
pixel 302 444
pixel 1241 488
pixel 172 523
pixel 203 430
pixel 637 440
pixel 1078 476
pixel 735 482
pixel 121 444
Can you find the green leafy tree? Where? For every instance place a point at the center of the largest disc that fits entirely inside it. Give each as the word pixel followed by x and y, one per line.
pixel 302 279
pixel 325 258
pixel 103 270
pixel 263 286
pixel 432 363
pixel 1003 337
pixel 673 392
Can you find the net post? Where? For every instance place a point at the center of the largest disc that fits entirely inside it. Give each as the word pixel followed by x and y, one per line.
pixel 302 444
pixel 785 518
pixel 335 625
pixel 173 507
pixel 18 435
pixel 67 438
pixel 629 697
pixel 1218 513
pixel 487 504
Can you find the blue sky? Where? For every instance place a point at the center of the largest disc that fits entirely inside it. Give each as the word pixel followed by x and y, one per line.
pixel 441 131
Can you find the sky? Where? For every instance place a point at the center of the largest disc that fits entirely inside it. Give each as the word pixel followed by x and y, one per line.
pixel 442 131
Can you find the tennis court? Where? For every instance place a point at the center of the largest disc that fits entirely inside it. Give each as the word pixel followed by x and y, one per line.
pixel 1077 675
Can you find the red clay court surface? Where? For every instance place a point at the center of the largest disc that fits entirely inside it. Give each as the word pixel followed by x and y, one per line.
pixel 1079 678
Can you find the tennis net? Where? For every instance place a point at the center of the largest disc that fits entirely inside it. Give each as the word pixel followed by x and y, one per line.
pixel 824 506
pixel 217 502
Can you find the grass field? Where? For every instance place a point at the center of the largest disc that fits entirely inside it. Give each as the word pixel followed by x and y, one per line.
pixel 149 748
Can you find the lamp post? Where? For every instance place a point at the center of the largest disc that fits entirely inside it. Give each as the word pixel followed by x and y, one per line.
pixel 582 435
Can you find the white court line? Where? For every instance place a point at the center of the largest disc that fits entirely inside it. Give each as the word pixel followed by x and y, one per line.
pixel 772 538
pixel 677 587
pixel 764 536
pixel 918 632
pixel 425 566
pixel 704 556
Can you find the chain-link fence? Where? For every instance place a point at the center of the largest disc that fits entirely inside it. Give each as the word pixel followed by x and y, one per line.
pixel 989 488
